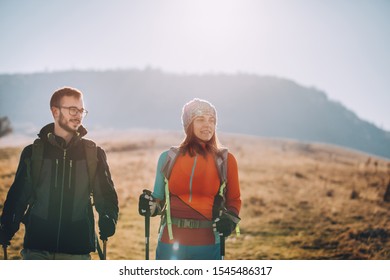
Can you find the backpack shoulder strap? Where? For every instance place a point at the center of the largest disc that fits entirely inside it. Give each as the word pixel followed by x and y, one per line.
pixel 166 170
pixel 34 165
pixel 170 161
pixel 221 162
pixel 92 160
pixel 36 160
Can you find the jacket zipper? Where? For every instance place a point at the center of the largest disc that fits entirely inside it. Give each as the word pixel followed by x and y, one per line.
pixel 61 201
pixel 70 173
pixel 192 177
pixel 56 178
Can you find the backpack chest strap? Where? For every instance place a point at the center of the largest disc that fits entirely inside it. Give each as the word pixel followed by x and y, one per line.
pixel 191 223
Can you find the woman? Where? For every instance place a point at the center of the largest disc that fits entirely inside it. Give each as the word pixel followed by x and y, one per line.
pixel 190 183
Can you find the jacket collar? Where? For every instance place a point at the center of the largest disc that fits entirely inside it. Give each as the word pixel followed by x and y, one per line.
pixel 47 134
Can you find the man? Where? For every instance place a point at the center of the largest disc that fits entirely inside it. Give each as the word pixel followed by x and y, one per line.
pixel 56 206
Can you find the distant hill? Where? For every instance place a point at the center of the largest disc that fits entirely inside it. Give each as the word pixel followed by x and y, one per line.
pixel 249 104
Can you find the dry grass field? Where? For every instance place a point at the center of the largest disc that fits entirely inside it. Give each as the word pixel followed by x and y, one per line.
pixel 300 200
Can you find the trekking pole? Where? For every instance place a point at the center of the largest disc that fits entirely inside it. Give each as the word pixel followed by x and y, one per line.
pixel 222 244
pixel 99 249
pixel 104 249
pixel 147 234
pixel 5 252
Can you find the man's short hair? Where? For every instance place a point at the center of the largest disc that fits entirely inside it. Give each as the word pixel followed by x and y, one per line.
pixel 65 91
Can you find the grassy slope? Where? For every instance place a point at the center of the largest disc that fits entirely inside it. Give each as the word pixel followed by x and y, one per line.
pixel 300 201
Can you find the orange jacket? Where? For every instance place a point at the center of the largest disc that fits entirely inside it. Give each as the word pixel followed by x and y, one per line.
pixel 193 184
pixel 195 181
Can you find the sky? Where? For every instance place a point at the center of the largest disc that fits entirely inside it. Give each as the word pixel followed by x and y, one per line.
pixel 340 47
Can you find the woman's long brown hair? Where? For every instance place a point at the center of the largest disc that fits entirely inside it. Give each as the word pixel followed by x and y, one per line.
pixel 193 145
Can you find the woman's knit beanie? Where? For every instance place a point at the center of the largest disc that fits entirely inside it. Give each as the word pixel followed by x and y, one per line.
pixel 196 107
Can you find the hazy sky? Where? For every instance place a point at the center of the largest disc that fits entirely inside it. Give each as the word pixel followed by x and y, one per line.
pixel 338 46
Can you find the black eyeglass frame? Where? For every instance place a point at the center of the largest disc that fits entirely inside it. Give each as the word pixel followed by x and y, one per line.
pixel 74 110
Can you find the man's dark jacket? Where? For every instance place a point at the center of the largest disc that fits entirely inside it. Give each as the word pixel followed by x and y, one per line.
pixel 60 217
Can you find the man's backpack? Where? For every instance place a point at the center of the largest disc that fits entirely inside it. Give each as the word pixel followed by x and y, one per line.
pixel 221 164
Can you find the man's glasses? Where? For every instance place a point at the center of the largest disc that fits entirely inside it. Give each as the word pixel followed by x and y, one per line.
pixel 74 110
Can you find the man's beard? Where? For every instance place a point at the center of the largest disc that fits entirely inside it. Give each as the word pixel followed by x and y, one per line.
pixel 63 124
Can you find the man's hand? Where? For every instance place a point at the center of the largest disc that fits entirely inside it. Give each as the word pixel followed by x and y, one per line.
pixel 106 226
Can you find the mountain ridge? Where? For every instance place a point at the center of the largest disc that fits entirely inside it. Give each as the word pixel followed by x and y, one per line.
pixel 246 104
